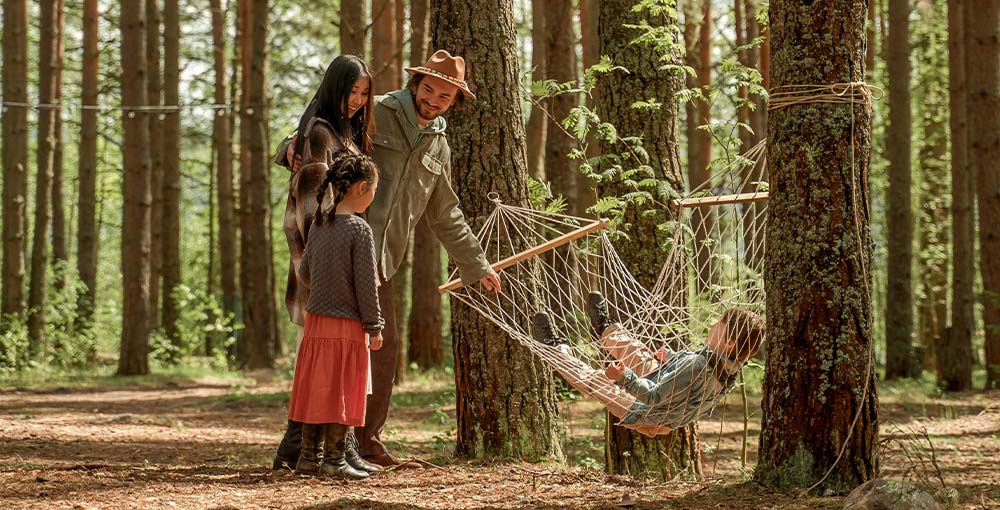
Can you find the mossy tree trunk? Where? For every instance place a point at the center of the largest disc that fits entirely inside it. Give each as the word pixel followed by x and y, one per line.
pixel 505 399
pixel 626 451
pixel 819 390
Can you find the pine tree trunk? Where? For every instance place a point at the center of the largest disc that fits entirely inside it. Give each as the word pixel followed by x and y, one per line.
pixel 537 122
pixel 899 358
pixel 931 96
pixel 223 148
pixel 560 51
pixel 154 86
pixel 700 145
pixel 133 357
pixel 244 345
pixel 257 278
pixel 819 389
pixel 49 36
pixel 171 228
pixel 420 35
pixel 60 256
pixel 15 156
pixel 590 13
pixel 955 355
pixel 401 299
pixel 425 342
pixel 384 46
pixel 353 28
pixel 982 45
pixel 86 230
pixel 501 412
pixel 625 450
pixel 397 67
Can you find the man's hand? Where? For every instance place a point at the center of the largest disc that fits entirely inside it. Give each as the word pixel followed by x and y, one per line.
pixel 661 354
pixel 293 158
pixel 491 281
pixel 615 370
pixel 375 342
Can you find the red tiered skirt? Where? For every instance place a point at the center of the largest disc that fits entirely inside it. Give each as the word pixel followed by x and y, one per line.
pixel 331 372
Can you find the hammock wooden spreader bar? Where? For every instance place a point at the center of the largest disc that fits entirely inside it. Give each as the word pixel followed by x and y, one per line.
pixel 531 252
pixel 738 198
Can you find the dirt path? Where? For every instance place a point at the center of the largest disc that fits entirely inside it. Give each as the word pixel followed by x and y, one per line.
pixel 208 444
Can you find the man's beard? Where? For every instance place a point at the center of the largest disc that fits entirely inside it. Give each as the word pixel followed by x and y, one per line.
pixel 422 111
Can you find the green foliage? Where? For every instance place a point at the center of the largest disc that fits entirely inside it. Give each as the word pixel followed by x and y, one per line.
pixel 201 323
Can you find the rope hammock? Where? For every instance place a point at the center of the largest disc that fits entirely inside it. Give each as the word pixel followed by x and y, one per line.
pixel 551 262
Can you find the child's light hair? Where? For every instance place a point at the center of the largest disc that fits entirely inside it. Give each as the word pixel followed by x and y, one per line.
pixel 745 329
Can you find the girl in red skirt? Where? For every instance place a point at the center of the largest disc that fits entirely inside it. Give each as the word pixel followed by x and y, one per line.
pixel 342 318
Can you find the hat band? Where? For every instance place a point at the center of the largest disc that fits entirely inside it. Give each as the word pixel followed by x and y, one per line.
pixel 437 74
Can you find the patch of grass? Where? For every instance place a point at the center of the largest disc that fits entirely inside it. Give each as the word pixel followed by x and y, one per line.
pixel 45 377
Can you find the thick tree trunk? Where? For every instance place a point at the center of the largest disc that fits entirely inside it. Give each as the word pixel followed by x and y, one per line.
pixel 154 86
pixel 537 122
pixel 353 28
pixel 171 226
pixel 560 54
pixel 931 94
pixel 425 343
pixel 86 230
pixel 955 355
pixel 133 357
pixel 899 358
pixel 49 16
pixel 819 391
pixel 257 278
pixel 626 451
pixel 982 45
pixel 384 45
pixel 501 412
pixel 223 148
pixel 15 156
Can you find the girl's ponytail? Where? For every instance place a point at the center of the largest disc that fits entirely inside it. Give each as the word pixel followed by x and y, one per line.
pixel 345 170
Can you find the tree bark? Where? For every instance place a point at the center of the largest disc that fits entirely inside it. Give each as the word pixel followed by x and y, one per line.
pixel 955 355
pixel 501 412
pixel 537 122
pixel 257 278
pixel 425 344
pixel 49 36
pixel 223 148
pixel 86 230
pixel 560 53
pixel 899 358
pixel 819 390
pixel 931 94
pixel 384 45
pixel 982 45
pixel 133 357
pixel 625 450
pixel 15 157
pixel 353 28
pixel 60 256
pixel 171 226
pixel 154 86
pixel 700 145
pixel 401 300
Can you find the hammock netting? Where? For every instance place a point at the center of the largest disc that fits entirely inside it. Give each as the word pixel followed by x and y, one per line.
pixel 551 262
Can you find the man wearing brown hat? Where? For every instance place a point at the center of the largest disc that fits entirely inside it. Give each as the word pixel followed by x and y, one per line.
pixel 414 162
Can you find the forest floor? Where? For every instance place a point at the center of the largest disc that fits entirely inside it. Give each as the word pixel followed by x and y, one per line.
pixel 206 441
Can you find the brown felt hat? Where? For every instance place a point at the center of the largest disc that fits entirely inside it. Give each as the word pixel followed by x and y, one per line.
pixel 446 67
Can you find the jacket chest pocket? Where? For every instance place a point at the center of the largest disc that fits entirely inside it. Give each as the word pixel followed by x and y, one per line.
pixel 424 174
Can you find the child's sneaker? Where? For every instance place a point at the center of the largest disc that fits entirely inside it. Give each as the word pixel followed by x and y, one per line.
pixel 597 312
pixel 543 332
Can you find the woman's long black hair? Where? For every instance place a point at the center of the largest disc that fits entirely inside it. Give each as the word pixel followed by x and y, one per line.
pixel 330 104
pixel 347 169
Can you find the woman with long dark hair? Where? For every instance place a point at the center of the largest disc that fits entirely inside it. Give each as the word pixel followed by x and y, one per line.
pixel 339 118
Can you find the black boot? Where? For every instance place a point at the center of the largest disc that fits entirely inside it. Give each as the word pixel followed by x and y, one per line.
pixel 288 450
pixel 597 312
pixel 355 460
pixel 308 463
pixel 334 463
pixel 543 332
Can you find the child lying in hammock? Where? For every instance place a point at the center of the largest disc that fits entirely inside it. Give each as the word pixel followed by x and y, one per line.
pixel 665 389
